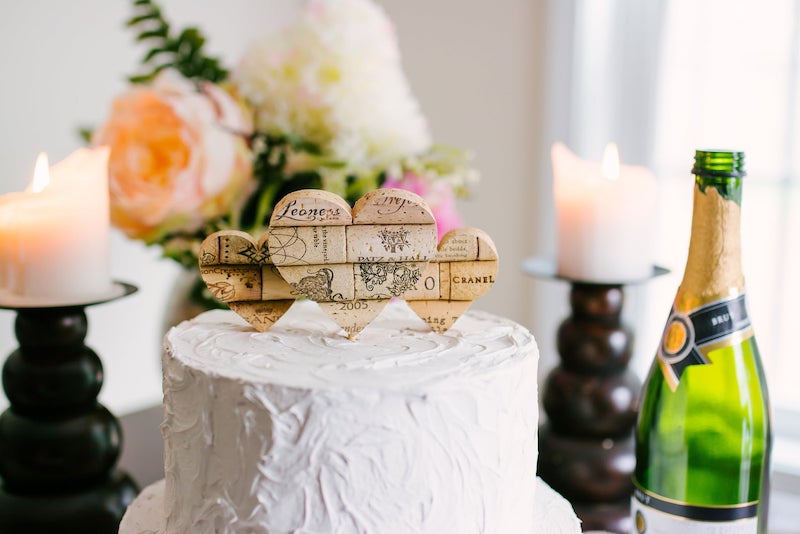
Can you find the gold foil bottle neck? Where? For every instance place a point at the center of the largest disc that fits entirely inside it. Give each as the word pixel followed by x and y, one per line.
pixel 714 265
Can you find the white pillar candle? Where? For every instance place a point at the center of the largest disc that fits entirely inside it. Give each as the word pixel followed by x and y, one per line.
pixel 605 217
pixel 56 233
pixel 6 221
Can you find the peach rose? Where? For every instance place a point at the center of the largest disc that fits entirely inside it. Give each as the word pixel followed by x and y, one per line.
pixel 178 156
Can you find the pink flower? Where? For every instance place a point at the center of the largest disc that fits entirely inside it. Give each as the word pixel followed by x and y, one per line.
pixel 178 156
pixel 439 196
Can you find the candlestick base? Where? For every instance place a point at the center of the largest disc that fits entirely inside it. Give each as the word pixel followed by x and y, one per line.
pixel 586 449
pixel 547 269
pixel 116 291
pixel 98 508
pixel 58 445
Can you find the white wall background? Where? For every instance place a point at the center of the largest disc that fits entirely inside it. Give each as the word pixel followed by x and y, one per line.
pixel 476 67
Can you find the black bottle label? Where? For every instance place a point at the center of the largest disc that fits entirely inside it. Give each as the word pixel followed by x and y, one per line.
pixel 687 333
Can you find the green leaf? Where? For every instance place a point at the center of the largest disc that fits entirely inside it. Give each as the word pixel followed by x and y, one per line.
pixel 184 52
pixel 193 37
pixel 153 53
pixel 152 15
pixel 141 78
pixel 305 146
pixel 161 67
pixel 158 33
pixel 86 134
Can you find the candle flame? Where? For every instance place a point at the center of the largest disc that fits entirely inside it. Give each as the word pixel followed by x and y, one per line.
pixel 610 165
pixel 41 174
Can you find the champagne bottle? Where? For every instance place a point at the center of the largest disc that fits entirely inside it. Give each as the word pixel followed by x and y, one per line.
pixel 703 430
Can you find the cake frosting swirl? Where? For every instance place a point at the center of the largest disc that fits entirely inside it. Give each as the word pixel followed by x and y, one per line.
pixel 301 430
pixel 307 350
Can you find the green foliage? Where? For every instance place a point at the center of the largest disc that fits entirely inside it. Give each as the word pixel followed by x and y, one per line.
pixel 85 133
pixel 269 169
pixel 182 52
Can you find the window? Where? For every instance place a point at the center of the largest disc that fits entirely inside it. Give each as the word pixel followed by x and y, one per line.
pixel 729 78
pixel 664 78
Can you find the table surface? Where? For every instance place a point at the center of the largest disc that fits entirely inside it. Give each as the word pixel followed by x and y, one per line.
pixel 143 450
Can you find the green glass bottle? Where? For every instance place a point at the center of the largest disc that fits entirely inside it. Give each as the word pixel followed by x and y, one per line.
pixel 703 431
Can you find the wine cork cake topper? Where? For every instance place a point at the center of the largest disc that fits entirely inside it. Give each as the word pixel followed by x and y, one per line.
pixel 351 262
pixel 464 269
pixel 239 272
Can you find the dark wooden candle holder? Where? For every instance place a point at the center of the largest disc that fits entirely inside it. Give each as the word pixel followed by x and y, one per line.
pixel 586 447
pixel 58 445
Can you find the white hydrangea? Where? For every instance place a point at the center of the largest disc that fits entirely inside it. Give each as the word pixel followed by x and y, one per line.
pixel 335 79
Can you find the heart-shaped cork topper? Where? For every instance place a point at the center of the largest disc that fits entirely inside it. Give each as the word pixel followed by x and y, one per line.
pixel 465 268
pixel 352 262
pixel 238 271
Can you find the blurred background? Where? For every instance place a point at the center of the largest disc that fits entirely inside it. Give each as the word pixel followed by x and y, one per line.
pixel 505 79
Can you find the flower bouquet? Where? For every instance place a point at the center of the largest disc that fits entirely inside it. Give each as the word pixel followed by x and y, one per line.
pixel 197 147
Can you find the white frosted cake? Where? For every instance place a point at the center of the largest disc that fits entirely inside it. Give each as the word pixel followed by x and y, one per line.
pixel 301 430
